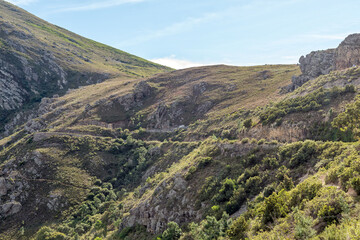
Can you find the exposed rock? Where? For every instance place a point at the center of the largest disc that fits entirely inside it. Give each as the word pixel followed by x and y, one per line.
pixel 204 107
pixel 317 63
pixel 54 201
pixel 142 90
pixel 34 125
pixel 200 88
pixel 263 75
pixel 313 65
pixel 10 208
pixel 156 212
pixel 166 117
pixel 3 188
pixel 348 52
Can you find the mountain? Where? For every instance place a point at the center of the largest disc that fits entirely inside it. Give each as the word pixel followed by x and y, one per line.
pixel 214 152
pixel 39 60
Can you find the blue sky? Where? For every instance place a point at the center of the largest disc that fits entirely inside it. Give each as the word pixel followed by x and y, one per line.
pixel 185 33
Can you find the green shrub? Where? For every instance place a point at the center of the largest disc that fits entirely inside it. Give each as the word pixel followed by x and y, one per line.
pixel 226 191
pixel 226 134
pixel 270 162
pixel 245 140
pixel 173 232
pixel 306 190
pixel 252 185
pixel 275 206
pixel 204 161
pixel 303 226
pixel 329 204
pixel 238 228
pixel 268 191
pixel 355 183
pixel 309 102
pixel 46 233
pixel 248 123
pixel 304 154
pixel 208 190
pixel 235 202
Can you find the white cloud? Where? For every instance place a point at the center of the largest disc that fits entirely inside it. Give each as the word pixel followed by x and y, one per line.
pixel 97 5
pixel 21 2
pixel 177 63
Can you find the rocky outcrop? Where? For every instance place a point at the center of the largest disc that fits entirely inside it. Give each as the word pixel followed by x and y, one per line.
pixel 348 52
pixel 181 111
pixel 157 211
pixel 312 65
pixel 141 91
pixel 166 116
pixel 23 184
pixel 317 63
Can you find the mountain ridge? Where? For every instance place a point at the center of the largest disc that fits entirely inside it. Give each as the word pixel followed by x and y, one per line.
pixel 42 60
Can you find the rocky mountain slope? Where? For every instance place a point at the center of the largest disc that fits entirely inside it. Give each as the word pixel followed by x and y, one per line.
pixel 215 152
pixel 40 60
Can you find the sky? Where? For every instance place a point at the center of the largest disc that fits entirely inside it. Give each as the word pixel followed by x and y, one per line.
pixel 187 33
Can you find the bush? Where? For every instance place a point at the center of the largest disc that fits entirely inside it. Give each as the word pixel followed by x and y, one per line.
pixel 208 190
pixel 248 123
pixel 303 225
pixel 236 201
pixel 226 191
pixel 245 140
pixel 204 161
pixel 329 204
pixel 173 232
pixel 309 102
pixel 238 228
pixel 261 141
pixel 306 152
pixel 252 185
pixel 46 233
pixel 355 183
pixel 268 191
pixel 275 206
pixel 270 162
pixel 306 190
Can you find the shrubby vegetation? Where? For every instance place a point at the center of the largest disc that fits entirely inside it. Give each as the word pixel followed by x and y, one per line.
pixel 309 102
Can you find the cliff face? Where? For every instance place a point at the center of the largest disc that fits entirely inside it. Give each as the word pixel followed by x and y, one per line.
pixel 312 65
pixel 317 63
pixel 348 52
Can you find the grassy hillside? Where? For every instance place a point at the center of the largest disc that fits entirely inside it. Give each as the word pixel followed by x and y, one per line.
pixel 71 50
pixel 39 60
